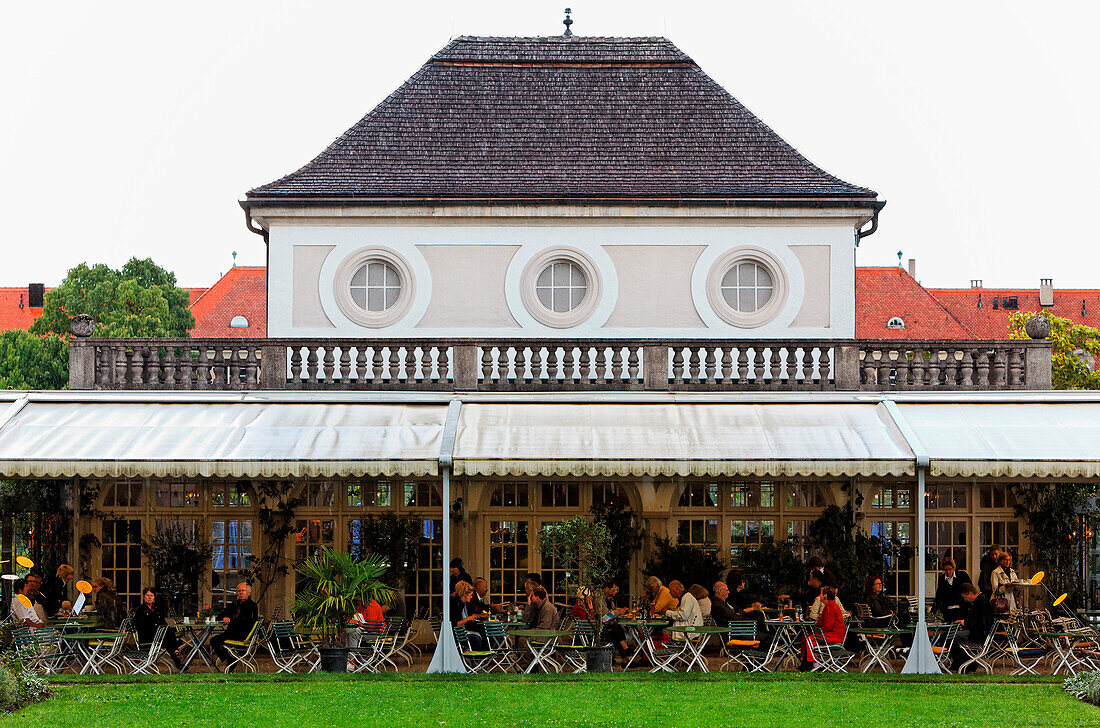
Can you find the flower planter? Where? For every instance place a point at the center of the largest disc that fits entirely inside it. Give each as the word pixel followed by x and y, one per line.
pixel 334 659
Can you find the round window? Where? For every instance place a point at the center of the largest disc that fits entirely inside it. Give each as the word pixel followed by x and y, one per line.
pixel 375 286
pixel 561 286
pixel 747 287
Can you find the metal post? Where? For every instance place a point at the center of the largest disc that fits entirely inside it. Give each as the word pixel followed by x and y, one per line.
pixel 446 657
pixel 921 660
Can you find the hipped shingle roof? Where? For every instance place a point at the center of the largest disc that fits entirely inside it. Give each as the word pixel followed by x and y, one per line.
pixel 561 117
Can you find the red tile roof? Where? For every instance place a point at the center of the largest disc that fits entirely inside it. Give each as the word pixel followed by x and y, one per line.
pixel 885 293
pixel 11 315
pixel 240 292
pixel 988 322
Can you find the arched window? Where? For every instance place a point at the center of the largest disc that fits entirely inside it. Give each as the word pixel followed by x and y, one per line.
pixel 238 322
pixel 895 323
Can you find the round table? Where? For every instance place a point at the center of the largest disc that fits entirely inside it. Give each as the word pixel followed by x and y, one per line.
pixel 640 630
pixel 880 652
pixel 541 644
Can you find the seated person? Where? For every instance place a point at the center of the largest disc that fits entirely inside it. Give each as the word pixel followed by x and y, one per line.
pixel 659 598
pixel 687 614
pixel 148 619
pixel 19 611
pixel 613 633
pixel 583 606
pixel 816 581
pixel 463 616
pixel 949 601
pixel 720 610
pixel 542 614
pixel 480 601
pixel 106 603
pixel 882 611
pixel 703 597
pixel 532 580
pixel 238 619
pixel 831 622
pixel 975 626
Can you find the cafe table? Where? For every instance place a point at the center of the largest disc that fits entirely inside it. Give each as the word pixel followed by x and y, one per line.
pixel 541 643
pixel 1063 644
pixel 197 635
pixel 787 643
pixel 880 652
pixel 695 640
pixel 89 646
pixel 640 630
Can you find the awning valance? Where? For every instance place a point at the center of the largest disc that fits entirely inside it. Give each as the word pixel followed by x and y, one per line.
pixel 1010 439
pixel 223 439
pixel 679 439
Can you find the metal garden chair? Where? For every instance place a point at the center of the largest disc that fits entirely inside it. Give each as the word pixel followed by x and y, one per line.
pixel 143 661
pixel 243 652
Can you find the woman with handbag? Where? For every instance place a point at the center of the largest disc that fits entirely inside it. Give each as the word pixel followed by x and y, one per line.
pixel 1003 581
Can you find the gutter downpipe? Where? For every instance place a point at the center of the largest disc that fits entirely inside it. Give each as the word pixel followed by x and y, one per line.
pixel 860 234
pixel 921 660
pixel 446 657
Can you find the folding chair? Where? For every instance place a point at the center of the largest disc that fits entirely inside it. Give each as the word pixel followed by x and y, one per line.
pixel 831 658
pixel 575 653
pixel 143 661
pixel 507 657
pixel 943 641
pixel 286 647
pixel 366 655
pixel 474 660
pixel 243 652
pixel 979 652
pixel 436 623
pixel 743 648
pixel 1026 658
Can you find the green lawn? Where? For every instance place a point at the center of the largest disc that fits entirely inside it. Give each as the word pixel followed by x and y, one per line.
pixel 267 701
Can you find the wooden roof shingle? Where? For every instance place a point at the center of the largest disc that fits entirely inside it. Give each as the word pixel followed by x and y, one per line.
pixel 560 117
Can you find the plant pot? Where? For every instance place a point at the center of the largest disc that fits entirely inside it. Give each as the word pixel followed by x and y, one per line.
pixel 334 659
pixel 598 659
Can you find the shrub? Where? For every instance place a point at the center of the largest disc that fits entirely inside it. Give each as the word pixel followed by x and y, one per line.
pixel 19 683
pixel 1085 685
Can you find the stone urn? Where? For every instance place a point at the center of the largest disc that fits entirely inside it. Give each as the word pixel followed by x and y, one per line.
pixel 82 325
pixel 1038 327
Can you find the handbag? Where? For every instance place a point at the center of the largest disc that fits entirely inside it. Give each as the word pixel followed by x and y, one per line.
pixel 1000 605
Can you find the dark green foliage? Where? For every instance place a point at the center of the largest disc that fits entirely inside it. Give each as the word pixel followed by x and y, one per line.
pixel 331 585
pixel 689 564
pixel 849 553
pixel 275 509
pixel 773 569
pixel 40 518
pixel 19 684
pixel 1057 532
pixel 396 538
pixel 179 557
pixel 140 300
pixel 627 537
pixel 30 361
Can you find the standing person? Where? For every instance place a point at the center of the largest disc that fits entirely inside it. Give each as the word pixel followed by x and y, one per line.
pixel 949 601
pixel 55 589
pixel 458 573
pixel 106 603
pixel 20 612
pixel 985 575
pixel 148 619
pixel 238 619
pixel 1004 580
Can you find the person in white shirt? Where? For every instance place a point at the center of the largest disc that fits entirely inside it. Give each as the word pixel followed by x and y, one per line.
pixel 689 614
pixel 816 582
pixel 21 612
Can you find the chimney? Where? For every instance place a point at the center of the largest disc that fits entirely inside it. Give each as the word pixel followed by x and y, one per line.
pixel 975 282
pixel 36 294
pixel 913 268
pixel 1046 293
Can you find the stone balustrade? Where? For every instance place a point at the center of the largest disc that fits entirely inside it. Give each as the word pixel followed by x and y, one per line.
pixel 511 365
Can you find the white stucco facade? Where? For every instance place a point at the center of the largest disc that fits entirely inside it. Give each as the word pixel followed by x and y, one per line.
pixel 655 271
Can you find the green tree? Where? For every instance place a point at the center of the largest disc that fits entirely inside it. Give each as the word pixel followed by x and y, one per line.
pixel 28 361
pixel 140 300
pixel 1074 347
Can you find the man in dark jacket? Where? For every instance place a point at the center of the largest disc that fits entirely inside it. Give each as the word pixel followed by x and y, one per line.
pixel 720 610
pixel 238 619
pixel 988 566
pixel 949 601
pixel 976 626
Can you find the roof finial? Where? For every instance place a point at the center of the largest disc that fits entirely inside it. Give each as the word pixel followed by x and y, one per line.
pixel 567 22
pixel 234 258
pixel 899 258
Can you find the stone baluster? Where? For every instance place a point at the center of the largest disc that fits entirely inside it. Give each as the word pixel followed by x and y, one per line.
pixel 1015 367
pixel 710 367
pixel 679 370
pixel 981 358
pixel 169 363
pixel 408 363
pixel 360 364
pixel 885 364
pixel 633 364
pixel 377 364
pixel 743 365
pixel 917 381
pixel 966 369
pixel 807 368
pixel 487 364
pixel 295 364
pixel 328 365
pixel 824 368
pixel 582 367
pixel 999 374
pixel 775 367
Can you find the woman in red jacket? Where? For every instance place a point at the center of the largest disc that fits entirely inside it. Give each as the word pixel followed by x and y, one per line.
pixel 832 626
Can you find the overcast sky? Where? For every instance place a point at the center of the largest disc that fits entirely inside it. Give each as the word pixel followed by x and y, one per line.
pixel 132 128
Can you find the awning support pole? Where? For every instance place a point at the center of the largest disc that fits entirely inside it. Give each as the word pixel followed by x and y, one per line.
pixel 446 657
pixel 921 660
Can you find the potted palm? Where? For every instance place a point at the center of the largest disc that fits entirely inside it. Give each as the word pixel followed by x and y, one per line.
pixel 332 584
pixel 582 548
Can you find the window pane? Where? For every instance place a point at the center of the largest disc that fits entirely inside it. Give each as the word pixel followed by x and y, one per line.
pixel 746 300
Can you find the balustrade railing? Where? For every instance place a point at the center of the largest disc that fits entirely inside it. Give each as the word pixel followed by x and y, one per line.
pixel 556 365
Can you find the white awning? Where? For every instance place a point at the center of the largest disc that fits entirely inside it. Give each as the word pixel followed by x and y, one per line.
pixel 679 439
pixel 46 439
pixel 1059 439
